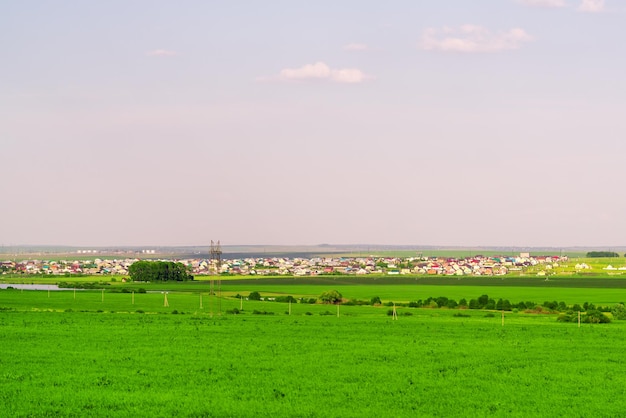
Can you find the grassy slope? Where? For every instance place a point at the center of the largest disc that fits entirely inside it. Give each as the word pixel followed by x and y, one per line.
pixel 430 364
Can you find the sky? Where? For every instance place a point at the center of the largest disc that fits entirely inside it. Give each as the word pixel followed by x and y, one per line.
pixel 455 122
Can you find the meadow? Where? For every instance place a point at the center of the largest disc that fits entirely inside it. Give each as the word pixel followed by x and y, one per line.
pixel 94 353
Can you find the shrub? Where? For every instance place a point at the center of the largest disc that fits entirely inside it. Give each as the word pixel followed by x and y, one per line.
pixel 233 311
pixel 254 296
pixel 619 311
pixel 256 312
pixel 564 317
pixel 375 300
pixel 490 315
pixel 595 317
pixel 461 315
pixel 286 299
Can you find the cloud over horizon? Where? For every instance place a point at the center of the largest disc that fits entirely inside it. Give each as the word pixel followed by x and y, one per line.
pixel 321 71
pixel 471 39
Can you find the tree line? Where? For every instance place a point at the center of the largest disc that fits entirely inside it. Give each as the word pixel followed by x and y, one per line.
pixel 568 313
pixel 602 254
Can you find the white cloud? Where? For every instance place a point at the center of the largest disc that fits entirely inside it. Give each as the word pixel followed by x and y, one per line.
pixel 321 71
pixel 544 3
pixel 161 53
pixel 355 47
pixel 592 6
pixel 472 38
pixel 347 75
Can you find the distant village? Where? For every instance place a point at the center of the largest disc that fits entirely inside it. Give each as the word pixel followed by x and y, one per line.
pixel 283 266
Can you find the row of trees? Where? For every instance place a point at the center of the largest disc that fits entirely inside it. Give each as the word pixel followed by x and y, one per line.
pixel 158 271
pixel 602 254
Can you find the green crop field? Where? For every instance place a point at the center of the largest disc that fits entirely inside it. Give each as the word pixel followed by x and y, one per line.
pixel 109 354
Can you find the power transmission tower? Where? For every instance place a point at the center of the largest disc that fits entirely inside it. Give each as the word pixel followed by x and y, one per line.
pixel 216 260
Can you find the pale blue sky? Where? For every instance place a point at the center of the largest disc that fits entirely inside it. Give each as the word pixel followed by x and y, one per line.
pixel 492 122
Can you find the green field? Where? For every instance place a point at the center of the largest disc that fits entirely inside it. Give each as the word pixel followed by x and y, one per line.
pixel 95 353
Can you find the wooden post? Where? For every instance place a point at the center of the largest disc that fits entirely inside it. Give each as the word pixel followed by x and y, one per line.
pixel 241 303
pixel 102 295
pixel 165 302
pixel 578 319
pixel 502 318
pixel 74 293
pixel 133 298
pixel 289 307
pixel 200 300
pixel 337 311
pixel 394 314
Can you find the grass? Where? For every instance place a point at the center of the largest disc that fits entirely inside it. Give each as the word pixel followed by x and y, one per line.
pixel 428 364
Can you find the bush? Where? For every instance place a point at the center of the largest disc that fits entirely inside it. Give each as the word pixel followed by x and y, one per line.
pixel 375 301
pixel 595 317
pixel 619 312
pixel 233 311
pixel 256 312
pixel 254 296
pixel 461 315
pixel 356 302
pixel 286 299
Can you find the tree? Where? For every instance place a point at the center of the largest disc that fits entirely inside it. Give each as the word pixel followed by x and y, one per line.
pixel 154 271
pixel 375 301
pixel 331 296
pixel 254 296
pixel 482 301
